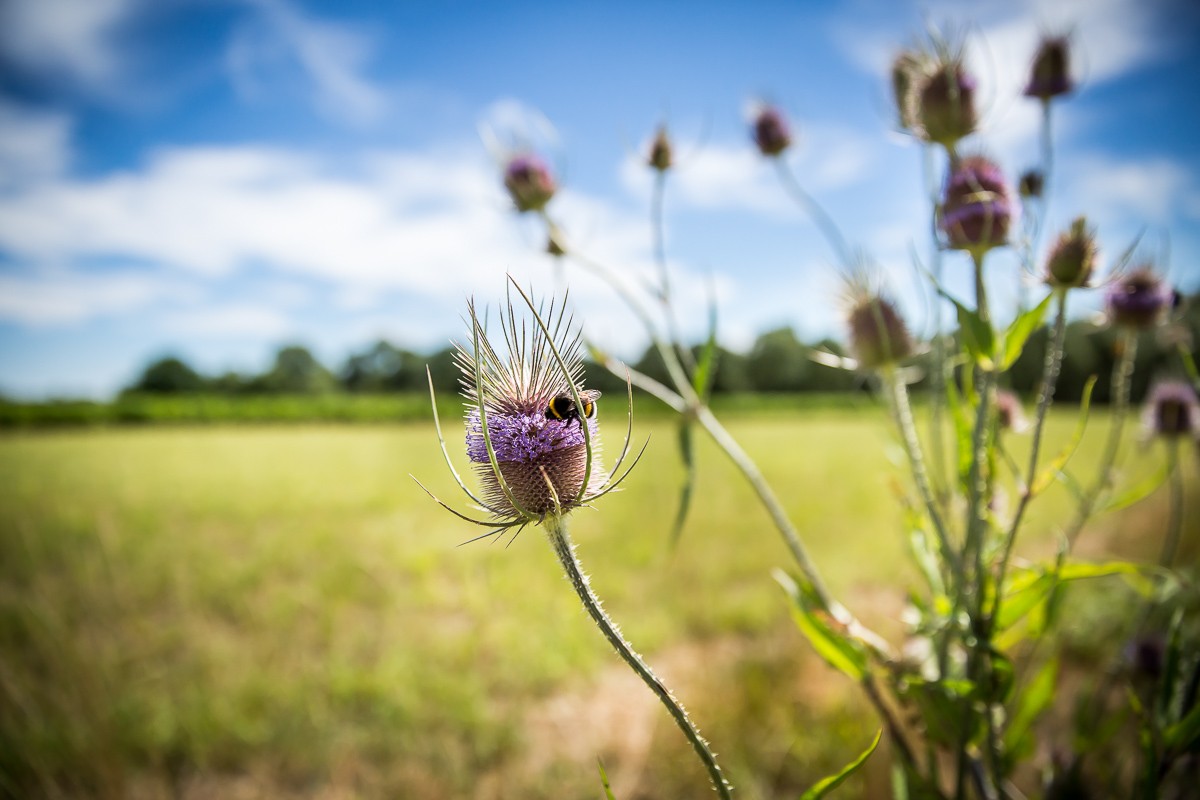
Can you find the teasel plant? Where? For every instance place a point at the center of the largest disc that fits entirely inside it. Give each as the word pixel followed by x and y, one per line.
pixel 533 437
pixel 961 700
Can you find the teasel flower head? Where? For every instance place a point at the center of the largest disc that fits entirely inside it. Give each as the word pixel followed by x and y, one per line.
pixel 878 335
pixel 529 182
pixel 945 98
pixel 1138 299
pixel 1010 414
pixel 660 157
pixel 1031 184
pixel 531 463
pixel 1072 260
pixel 1050 75
pixel 1172 410
pixel 772 133
pixel 977 208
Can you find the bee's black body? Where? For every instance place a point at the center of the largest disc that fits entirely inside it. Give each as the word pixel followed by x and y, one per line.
pixel 562 407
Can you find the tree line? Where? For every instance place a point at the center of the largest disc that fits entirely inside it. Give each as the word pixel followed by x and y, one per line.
pixel 777 362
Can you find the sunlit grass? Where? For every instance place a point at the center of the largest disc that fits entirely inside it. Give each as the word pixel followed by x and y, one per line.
pixel 286 604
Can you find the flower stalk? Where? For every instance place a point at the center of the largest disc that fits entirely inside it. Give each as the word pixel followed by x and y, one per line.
pixel 560 542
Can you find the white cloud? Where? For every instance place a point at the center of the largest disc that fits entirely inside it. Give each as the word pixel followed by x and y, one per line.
pixel 720 176
pixel 1156 192
pixel 331 58
pixel 229 320
pixel 59 297
pixel 75 39
pixel 33 145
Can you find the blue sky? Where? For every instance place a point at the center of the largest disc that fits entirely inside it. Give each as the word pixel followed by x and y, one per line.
pixel 216 178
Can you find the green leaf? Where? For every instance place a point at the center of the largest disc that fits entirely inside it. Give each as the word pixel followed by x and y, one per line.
pixel 608 793
pixel 824 633
pixel 687 454
pixel 978 336
pixel 827 785
pixel 1034 700
pixel 706 367
pixel 1052 470
pixel 1140 490
pixel 1185 733
pixel 963 427
pixel 1020 330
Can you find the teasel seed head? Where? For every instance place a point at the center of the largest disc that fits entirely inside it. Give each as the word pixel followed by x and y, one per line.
pixel 660 157
pixel 1138 299
pixel 772 133
pixel 878 334
pixel 1050 75
pixel 529 182
pixel 1032 183
pixel 1172 410
pixel 1072 260
pixel 945 101
pixel 977 209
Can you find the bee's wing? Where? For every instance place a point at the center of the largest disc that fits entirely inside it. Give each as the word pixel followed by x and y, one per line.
pixel 590 394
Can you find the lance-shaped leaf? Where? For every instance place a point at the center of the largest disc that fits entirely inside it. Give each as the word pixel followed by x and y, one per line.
pixel 706 366
pixel 1140 490
pixel 688 456
pixel 1035 698
pixel 1020 330
pixel 1055 467
pixel 978 338
pixel 828 784
pixel 827 636
pixel 608 792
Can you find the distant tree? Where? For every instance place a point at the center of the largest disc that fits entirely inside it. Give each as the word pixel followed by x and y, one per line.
pixel 383 367
pixel 296 371
pixel 778 362
pixel 831 379
pixel 732 375
pixel 443 371
pixel 169 375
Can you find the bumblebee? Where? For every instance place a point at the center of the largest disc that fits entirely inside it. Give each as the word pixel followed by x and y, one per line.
pixel 563 406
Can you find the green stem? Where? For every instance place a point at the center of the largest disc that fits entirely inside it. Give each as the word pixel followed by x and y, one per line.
pixel 556 531
pixel 897 395
pixel 937 382
pixel 819 215
pixel 664 278
pixel 1050 370
pixel 1175 520
pixel 1122 372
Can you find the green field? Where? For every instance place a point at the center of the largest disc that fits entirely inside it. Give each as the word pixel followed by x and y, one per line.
pixel 280 612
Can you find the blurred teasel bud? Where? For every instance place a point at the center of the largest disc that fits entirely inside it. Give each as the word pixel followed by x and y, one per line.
pixel 660 157
pixel 1050 75
pixel 771 131
pixel 1172 410
pixel 529 182
pixel 1010 414
pixel 945 101
pixel 1032 183
pixel 1146 655
pixel 878 335
pixel 1138 299
pixel 1073 257
pixel 977 209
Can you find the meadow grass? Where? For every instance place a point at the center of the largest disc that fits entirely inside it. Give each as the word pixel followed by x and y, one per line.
pixel 280 611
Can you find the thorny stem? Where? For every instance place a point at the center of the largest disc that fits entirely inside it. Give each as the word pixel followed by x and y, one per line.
pixel 667 353
pixel 664 278
pixel 1122 371
pixel 685 400
pixel 820 216
pixel 556 531
pixel 978 481
pixel 937 383
pixel 1050 370
pixel 1175 520
pixel 897 395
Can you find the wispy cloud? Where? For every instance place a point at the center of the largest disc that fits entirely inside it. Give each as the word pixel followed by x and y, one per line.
pixel 34 146
pixel 73 40
pixel 330 57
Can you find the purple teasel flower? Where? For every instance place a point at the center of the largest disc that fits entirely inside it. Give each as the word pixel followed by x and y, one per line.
pixel 529 182
pixel 1050 75
pixel 772 133
pixel 977 209
pixel 1138 299
pixel 1171 410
